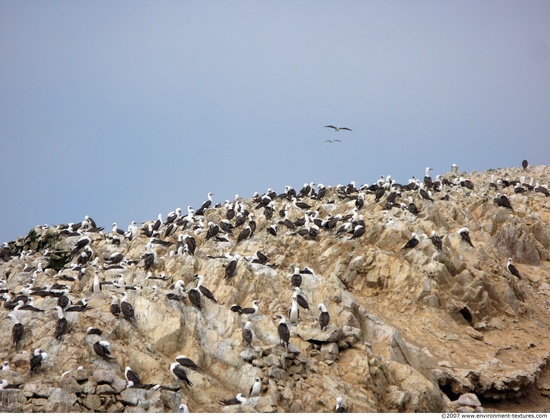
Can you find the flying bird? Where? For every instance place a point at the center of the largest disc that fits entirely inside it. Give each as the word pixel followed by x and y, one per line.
pixel 332 141
pixel 337 128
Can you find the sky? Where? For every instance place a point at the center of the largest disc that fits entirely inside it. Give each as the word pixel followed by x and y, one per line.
pixel 122 110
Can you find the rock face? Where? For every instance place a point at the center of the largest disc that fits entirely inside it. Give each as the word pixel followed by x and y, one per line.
pixel 410 330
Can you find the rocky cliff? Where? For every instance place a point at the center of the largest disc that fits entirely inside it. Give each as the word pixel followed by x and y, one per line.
pixel 412 328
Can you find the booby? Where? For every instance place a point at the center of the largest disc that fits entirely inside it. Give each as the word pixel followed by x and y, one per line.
pixel 436 240
pixel 96 286
pixel 296 278
pixel 61 325
pixel 413 241
pixel 187 363
pixel 93 331
pixel 213 230
pixel 340 406
pixel 195 297
pixel 179 373
pixel 183 408
pixel 524 164
pixel 5 366
pixel 251 310
pixel 231 267
pixel 5 385
pixel 256 388
pixel 337 128
pixel 205 205
pixel 302 302
pixel 512 268
pixel 239 399
pixel 332 141
pixel 324 318
pixel 37 358
pixel 465 235
pixel 126 308
pixel 178 295
pixel 131 376
pixel 293 311
pixel 503 201
pixel 248 333
pixel 358 231
pixel 284 331
pixel 203 290
pixel 101 348
pixel 115 306
pixel 17 330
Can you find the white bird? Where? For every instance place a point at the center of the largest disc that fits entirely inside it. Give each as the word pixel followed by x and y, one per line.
pixel 256 388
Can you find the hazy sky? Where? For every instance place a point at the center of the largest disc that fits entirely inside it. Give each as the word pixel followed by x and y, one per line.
pixel 125 109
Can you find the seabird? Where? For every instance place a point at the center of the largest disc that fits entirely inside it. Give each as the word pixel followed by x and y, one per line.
pixel 358 231
pixel 293 311
pixel 5 366
pixel 203 290
pixel 37 358
pixel 253 310
pixel 503 201
pixel 248 333
pixel 332 141
pixel 413 241
pixel 284 332
pixel 131 376
pixel 231 267
pixel 93 331
pixel 239 399
pixel 183 408
pixel 302 302
pixel 115 306
pixel 436 240
pixel 101 348
pixel 337 128
pixel 61 325
pixel 524 164
pixel 187 363
pixel 512 268
pixel 178 373
pixel 17 330
pixel 235 308
pixel 205 205
pixel 324 318
pixel 126 308
pixel 256 388
pixel 296 278
pixel 195 297
pixel 465 235
pixel 4 385
pixel 340 406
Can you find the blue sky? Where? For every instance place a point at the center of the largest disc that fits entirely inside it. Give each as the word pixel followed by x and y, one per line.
pixel 125 109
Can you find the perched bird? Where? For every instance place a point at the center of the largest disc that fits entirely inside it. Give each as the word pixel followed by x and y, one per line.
pixel 101 348
pixel 115 306
pixel 247 333
pixel 183 408
pixel 131 376
pixel 324 318
pixel 127 308
pixel 61 325
pixel 37 358
pixel 302 302
pixel 413 242
pixel 5 366
pixel 195 297
pixel 239 399
pixel 337 128
pixel 465 235
pixel 437 241
pixel 187 363
pixel 284 331
pixel 293 311
pixel 256 388
pixel 178 373
pixel 4 385
pixel 512 269
pixel 340 406
pixel 17 330
pixel 93 331
pixel 296 278
pixel 203 290
pixel 251 310
pixel 524 164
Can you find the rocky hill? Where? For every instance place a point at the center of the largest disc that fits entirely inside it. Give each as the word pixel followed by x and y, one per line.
pixel 412 328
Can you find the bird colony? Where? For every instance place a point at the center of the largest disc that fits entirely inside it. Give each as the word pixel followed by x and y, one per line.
pixel 421 296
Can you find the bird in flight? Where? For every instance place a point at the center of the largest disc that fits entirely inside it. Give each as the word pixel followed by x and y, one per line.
pixel 331 141
pixel 337 128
